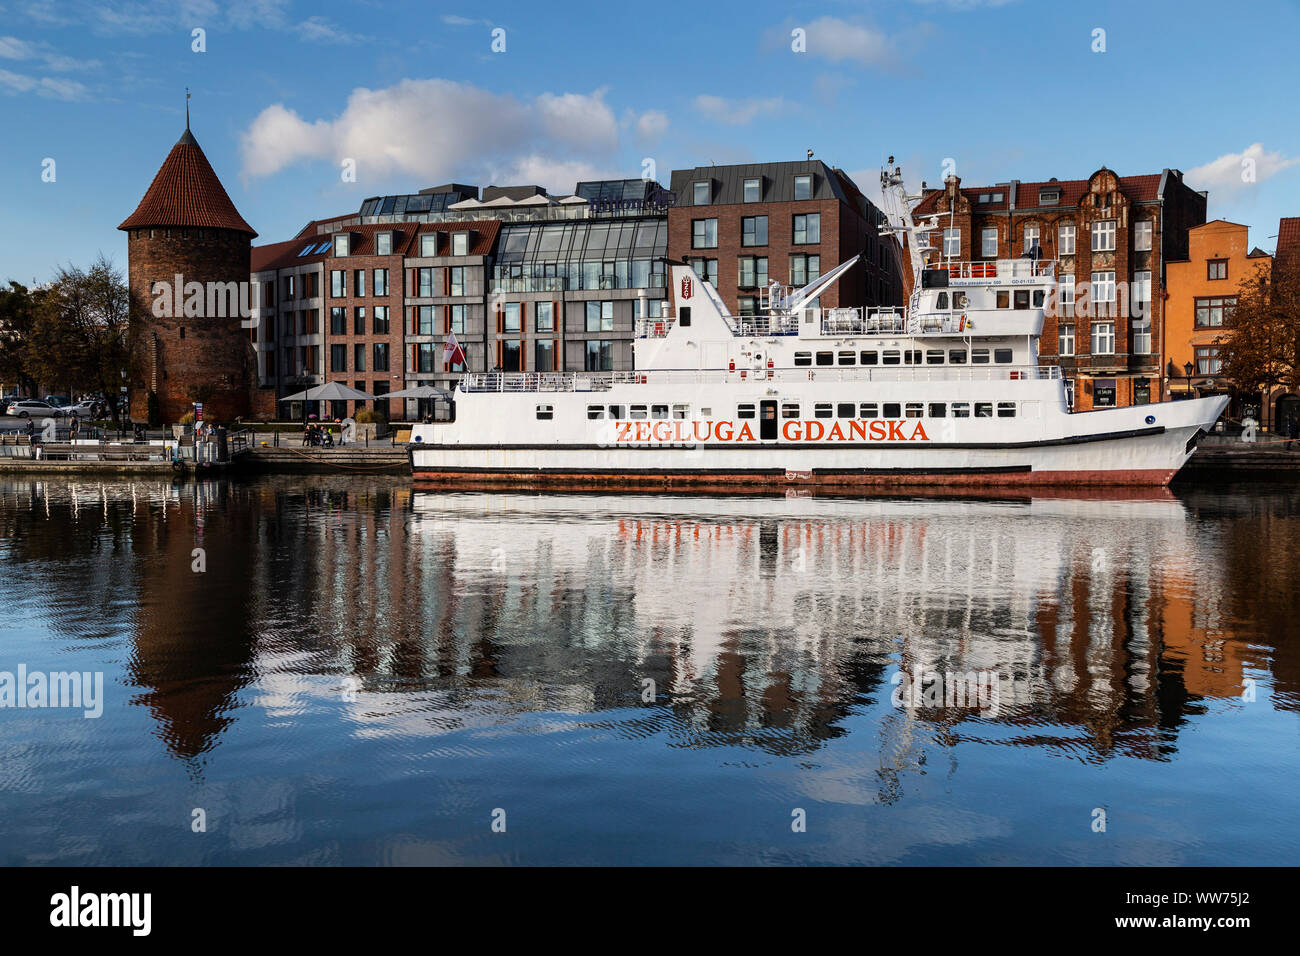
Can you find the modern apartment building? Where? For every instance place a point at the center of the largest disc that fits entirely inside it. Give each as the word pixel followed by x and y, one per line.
pixel 1112 237
pixel 745 227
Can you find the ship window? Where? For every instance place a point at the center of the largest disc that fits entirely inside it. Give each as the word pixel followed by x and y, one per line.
pixel 892 357
pixel 912 357
pixel 957 356
pixel 802 358
pixel 979 356
pixel 938 410
pixel 790 410
pixel 706 412
pixel 959 300
pixel 934 357
pixel 892 410
pixel 961 409
pixel 1006 409
pixel 914 410
pixel 1004 299
pixel 847 358
pixel 658 411
pixel 545 412
pixel 943 301
pixel 1040 296
pixel 616 412
pixel 822 410
pixel 844 410
pixel 868 410
pixel 595 412
pixel 825 358
pixel 869 358
pixel 1022 298
pixel 744 411
pixel 1002 356
pixel 681 412
pixel 983 409
pixel 636 412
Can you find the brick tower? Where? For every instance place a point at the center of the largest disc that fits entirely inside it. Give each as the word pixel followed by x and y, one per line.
pixel 187 345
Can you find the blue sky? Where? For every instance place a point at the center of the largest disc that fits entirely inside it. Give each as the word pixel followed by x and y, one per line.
pixel 414 94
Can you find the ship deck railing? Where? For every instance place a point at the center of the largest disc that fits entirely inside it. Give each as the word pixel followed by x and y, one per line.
pixel 601 381
pixel 1025 268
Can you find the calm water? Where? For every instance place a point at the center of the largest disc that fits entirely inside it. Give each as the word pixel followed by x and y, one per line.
pixel 363 674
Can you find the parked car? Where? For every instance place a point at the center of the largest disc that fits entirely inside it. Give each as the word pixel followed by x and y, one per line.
pixel 58 401
pixel 33 408
pixel 82 410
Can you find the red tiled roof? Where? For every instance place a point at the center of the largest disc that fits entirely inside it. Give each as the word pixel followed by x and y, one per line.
pixel 281 255
pixel 1143 188
pixel 186 192
pixel 1288 243
pixel 484 230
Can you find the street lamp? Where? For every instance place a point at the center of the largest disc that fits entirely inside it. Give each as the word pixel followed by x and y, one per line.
pixel 1188 367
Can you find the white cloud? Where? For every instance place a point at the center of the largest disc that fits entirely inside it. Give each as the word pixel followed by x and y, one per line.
pixel 1235 171
pixel 452 20
pixel 438 129
pixel 736 112
pixel 320 30
pixel 964 4
pixel 651 125
pixel 839 41
pixel 12 48
pixel 49 87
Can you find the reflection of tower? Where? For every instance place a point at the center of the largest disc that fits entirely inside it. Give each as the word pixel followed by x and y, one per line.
pixel 187 227
pixel 193 643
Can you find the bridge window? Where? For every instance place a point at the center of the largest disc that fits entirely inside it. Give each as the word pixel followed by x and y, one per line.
pixel 616 412
pixel 1006 409
pixel 914 410
pixel 983 409
pixel 961 409
pixel 956 356
pixel 938 410
pixel 847 358
pixel 868 410
pixel 912 357
pixel 681 412
pixel 822 410
pixel 1004 299
pixel 637 412
pixel 658 411
pixel 545 412
pixel 934 357
pixel 802 358
pixel 744 411
pixel 825 358
pixel 943 301
pixel 979 356
pixel 844 410
pixel 596 412
pixel 892 357
pixel 893 410
pixel 1040 296
pixel 790 410
pixel 1002 356
pixel 1022 298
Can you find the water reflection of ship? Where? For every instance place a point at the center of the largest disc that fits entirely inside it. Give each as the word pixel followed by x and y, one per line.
pixel 779 612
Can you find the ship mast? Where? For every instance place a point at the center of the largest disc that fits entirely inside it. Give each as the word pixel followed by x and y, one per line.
pixel 899 222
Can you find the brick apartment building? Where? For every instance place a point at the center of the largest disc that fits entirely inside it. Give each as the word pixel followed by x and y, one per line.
pixel 1112 237
pixel 743 227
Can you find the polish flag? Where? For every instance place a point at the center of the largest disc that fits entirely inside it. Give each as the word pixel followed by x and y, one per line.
pixel 452 353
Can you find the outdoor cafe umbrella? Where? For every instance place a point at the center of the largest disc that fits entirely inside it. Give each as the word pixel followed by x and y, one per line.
pixel 330 392
pixel 423 391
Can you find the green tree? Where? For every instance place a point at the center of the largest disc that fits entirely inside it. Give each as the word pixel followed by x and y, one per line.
pixel 17 317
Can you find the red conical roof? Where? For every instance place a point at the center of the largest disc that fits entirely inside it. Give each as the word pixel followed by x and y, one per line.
pixel 186 192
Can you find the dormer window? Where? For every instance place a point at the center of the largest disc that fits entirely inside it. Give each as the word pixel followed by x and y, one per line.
pixel 1049 197
pixel 383 243
pixel 460 243
pixel 342 242
pixel 429 244
pixel 802 187
pixel 753 190
pixel 700 193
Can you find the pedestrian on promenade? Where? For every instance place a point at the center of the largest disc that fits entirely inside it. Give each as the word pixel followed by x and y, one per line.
pixel 74 429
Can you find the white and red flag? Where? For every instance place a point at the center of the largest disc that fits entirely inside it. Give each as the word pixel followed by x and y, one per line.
pixel 452 353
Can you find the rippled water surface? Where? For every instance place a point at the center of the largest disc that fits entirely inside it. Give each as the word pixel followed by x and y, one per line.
pixel 363 674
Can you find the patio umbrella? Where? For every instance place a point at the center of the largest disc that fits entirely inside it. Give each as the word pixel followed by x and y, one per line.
pixel 330 391
pixel 423 391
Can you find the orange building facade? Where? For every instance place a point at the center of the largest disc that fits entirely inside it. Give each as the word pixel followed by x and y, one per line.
pixel 1201 292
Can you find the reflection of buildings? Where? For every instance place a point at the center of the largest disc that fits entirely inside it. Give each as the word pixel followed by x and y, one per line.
pixel 765 622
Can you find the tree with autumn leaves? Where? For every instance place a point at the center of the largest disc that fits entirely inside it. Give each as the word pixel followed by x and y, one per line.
pixel 1260 345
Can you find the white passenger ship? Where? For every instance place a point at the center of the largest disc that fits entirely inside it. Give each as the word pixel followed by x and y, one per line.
pixel 945 392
